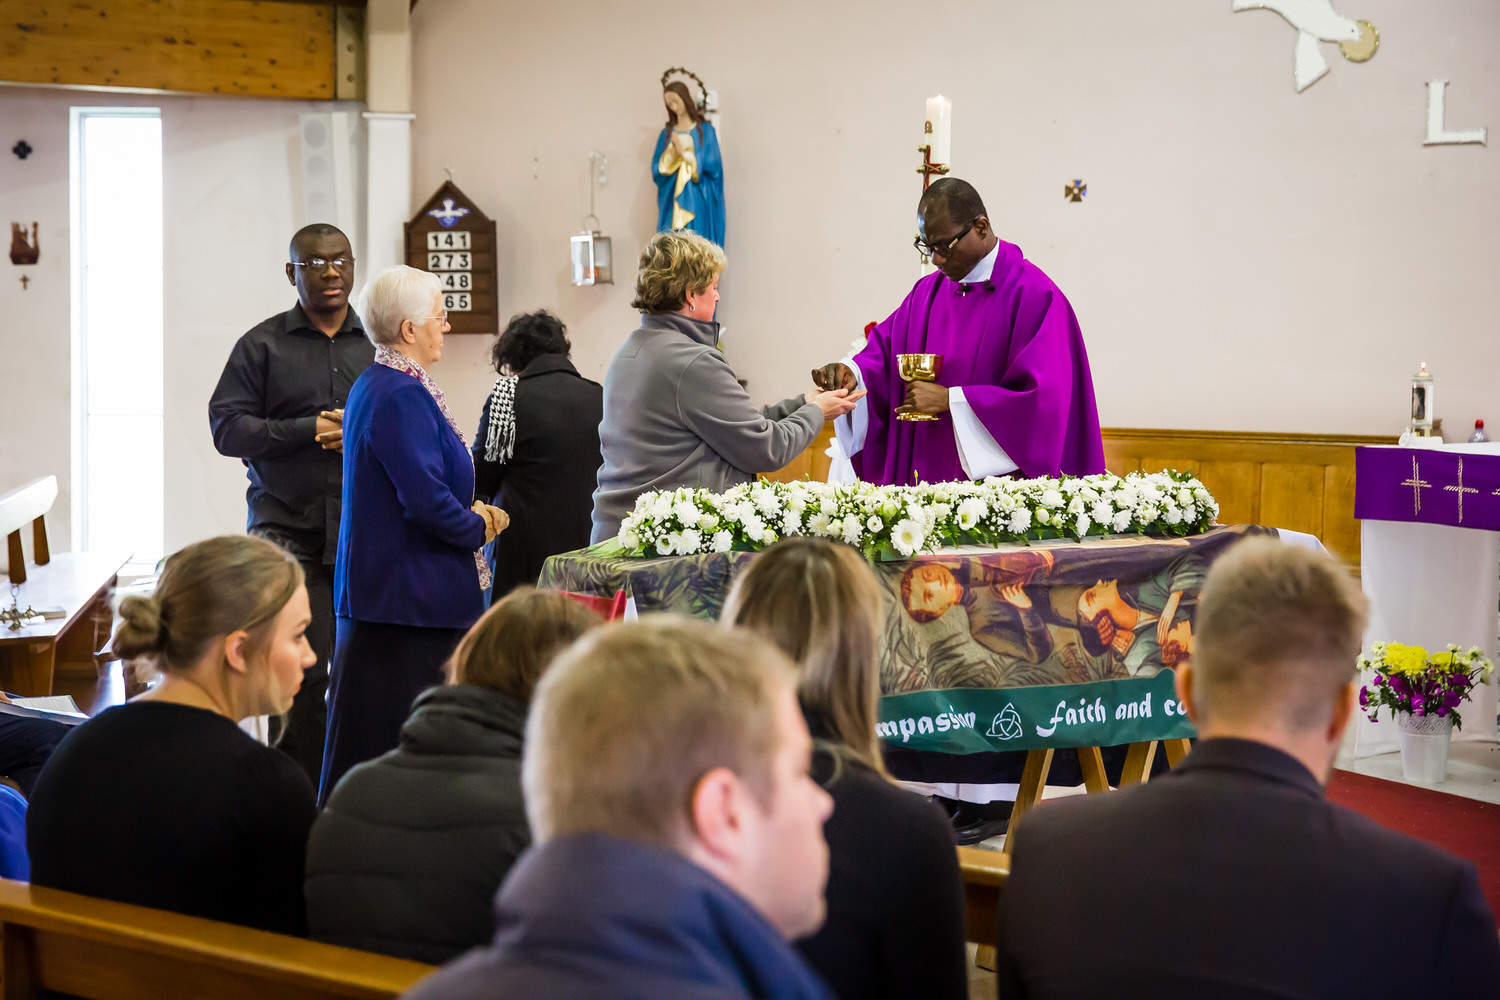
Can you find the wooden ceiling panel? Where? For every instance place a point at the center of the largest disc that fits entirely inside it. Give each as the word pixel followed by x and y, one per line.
pixel 260 48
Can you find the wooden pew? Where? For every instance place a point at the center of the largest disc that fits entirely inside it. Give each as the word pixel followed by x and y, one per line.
pixel 984 875
pixel 79 583
pixel 102 950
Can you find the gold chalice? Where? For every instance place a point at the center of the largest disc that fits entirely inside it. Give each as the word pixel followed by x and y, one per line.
pixel 919 368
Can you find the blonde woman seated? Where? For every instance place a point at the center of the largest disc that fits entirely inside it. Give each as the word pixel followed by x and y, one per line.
pixel 165 802
pixel 407 855
pixel 895 924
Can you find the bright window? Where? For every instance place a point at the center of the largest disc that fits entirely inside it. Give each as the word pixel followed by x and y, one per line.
pixel 117 308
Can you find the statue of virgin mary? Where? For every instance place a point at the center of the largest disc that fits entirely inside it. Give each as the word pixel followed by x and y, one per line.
pixel 686 166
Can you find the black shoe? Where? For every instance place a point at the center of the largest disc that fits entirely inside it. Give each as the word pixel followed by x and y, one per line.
pixel 973 822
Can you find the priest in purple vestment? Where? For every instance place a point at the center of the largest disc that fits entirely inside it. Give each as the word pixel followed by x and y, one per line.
pixel 1014 394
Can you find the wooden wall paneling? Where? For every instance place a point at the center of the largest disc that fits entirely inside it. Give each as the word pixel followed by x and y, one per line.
pixel 1236 486
pixel 1340 529
pixel 261 48
pixel 1291 496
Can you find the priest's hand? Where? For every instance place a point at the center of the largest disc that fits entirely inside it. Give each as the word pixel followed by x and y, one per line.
pixel 835 376
pixel 925 397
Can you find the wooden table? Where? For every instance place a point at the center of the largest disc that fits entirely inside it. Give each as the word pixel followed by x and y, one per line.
pixel 78 582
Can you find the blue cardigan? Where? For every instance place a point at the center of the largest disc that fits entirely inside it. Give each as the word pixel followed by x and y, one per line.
pixel 406 536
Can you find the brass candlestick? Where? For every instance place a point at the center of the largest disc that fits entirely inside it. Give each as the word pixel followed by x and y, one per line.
pixel 919 368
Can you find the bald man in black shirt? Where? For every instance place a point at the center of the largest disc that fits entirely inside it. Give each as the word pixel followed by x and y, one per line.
pixel 279 408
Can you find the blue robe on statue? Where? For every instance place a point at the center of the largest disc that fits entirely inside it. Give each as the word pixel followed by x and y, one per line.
pixel 690 187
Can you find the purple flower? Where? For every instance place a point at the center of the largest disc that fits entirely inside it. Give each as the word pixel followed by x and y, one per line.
pixel 1451 700
pixel 1364 697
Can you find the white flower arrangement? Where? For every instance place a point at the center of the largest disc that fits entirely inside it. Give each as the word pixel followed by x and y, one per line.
pixel 899 521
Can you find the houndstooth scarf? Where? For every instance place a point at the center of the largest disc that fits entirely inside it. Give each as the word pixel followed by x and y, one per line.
pixel 500 441
pixel 392 358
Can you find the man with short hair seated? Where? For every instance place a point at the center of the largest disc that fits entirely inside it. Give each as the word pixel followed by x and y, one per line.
pixel 679 836
pixel 1232 877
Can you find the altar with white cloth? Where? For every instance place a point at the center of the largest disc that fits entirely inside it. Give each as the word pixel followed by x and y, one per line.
pixel 1430 562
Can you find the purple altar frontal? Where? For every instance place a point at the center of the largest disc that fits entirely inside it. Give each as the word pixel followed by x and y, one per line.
pixel 1457 485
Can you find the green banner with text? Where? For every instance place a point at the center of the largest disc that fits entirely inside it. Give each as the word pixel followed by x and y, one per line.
pixel 1056 716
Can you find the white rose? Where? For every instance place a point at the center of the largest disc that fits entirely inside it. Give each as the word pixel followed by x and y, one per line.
pixel 828 506
pixel 708 522
pixel 874 524
pixel 629 540
pixel 723 541
pixel 1185 497
pixel 1043 516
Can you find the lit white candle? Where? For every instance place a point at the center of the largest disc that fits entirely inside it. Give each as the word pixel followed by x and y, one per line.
pixel 940 116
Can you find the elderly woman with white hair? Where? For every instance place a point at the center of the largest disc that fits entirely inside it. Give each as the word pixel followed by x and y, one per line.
pixel 409 580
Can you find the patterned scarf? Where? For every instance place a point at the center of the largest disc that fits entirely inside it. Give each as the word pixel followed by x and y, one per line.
pixel 392 358
pixel 500 441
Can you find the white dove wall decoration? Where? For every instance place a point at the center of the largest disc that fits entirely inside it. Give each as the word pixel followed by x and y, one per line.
pixel 1316 21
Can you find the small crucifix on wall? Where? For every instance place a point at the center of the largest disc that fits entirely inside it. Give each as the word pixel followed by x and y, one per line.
pixel 24 282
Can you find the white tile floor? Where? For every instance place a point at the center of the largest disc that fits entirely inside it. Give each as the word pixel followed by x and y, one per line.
pixel 1473 769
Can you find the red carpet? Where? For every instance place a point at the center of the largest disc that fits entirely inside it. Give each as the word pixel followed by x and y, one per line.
pixel 1466 827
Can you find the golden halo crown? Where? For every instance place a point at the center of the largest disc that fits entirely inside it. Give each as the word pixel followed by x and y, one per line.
pixel 681 71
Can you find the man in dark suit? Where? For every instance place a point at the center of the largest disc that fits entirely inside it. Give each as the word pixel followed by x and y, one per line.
pixel 1232 877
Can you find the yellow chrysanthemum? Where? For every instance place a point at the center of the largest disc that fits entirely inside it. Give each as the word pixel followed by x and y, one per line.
pixel 1403 659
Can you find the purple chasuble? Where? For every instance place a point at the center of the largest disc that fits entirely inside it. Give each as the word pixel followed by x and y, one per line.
pixel 1013 345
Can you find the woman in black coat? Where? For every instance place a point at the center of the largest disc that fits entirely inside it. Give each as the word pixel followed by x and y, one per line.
pixel 537 451
pixel 895 924
pixel 409 853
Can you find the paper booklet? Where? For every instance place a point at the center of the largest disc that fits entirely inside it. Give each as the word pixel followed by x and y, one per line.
pixel 58 708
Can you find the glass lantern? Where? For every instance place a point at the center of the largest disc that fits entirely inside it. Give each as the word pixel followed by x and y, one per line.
pixel 591 258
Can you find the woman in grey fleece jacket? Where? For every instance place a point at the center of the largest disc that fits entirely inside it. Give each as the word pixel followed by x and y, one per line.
pixel 674 413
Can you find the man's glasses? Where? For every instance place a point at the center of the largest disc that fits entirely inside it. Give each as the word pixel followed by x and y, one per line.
pixel 340 264
pixel 946 249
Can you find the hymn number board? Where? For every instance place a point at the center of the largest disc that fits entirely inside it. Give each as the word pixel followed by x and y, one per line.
pixel 454 240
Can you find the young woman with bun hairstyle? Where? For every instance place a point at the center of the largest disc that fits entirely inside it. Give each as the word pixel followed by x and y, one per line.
pixel 895 895
pixel 164 801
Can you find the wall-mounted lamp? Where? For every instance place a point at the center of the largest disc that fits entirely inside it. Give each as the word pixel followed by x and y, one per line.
pixel 591 251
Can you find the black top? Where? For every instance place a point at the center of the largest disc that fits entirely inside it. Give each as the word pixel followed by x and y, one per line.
pixel 175 808
pixel 1232 877
pixel 895 925
pixel 547 487
pixel 407 855
pixel 279 377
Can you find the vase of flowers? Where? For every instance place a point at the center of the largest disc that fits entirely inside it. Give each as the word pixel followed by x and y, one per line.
pixel 1422 690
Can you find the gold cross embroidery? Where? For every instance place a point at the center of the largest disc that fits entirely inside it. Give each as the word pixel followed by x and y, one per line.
pixel 1416 483
pixel 1461 489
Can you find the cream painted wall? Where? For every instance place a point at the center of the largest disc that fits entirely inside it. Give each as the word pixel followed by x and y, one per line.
pixel 1248 258
pixel 232 185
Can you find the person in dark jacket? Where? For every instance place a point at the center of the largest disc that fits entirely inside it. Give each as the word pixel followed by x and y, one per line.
pixel 895 926
pixel 536 455
pixel 1270 890
pixel 407 855
pixel 409 579
pixel 165 802
pixel 678 834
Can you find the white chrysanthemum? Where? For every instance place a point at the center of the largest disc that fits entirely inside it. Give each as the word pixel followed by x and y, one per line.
pixel 722 542
pixel 1102 512
pixel 907 536
pixel 755 528
pixel 1171 514
pixel 971 512
pixel 768 502
pixel 853 530
pixel 1020 520
pixel 820 525
pixel 875 525
pixel 661 507
pixel 686 512
pixel 1082 525
pixel 1147 515
pixel 1122 521
pixel 791 523
pixel 689 543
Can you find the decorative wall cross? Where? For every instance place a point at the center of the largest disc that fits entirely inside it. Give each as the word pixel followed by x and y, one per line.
pixel 1460 489
pixel 1076 190
pixel 1416 483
